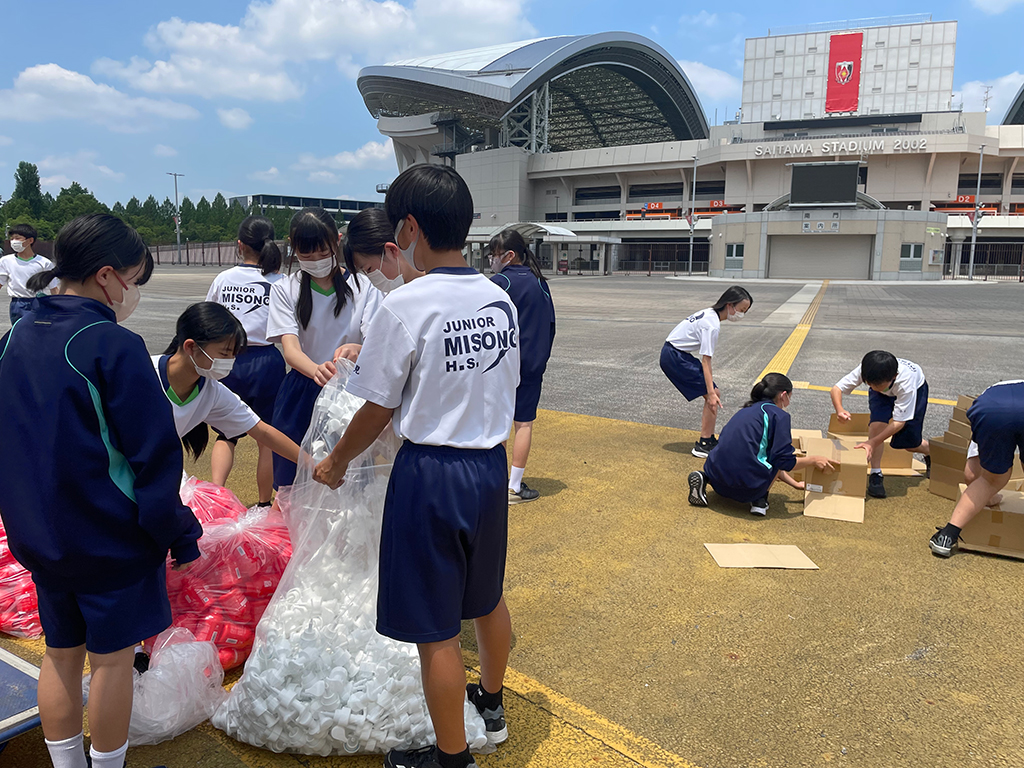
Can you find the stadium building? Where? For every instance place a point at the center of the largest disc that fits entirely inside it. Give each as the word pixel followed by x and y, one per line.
pixel 848 158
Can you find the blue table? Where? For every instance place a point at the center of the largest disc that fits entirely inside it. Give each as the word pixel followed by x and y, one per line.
pixel 19 710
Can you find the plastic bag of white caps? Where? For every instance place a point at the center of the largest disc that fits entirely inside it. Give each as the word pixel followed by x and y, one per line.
pixel 320 680
pixel 181 689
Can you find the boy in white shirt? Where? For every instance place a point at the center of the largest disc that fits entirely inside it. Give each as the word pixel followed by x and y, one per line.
pixel 440 363
pixel 16 268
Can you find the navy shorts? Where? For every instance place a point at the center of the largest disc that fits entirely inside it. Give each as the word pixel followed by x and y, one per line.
pixel 911 435
pixel 997 424
pixel 684 371
pixel 527 398
pixel 105 622
pixel 19 306
pixel 443 541
pixel 256 378
pixel 292 414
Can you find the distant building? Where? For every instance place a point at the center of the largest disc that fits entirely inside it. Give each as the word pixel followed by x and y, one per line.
pixel 348 207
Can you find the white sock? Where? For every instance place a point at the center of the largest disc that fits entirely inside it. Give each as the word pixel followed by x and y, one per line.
pixel 515 482
pixel 113 759
pixel 876 471
pixel 69 753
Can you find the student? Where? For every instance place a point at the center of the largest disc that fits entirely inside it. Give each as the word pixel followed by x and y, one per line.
pixel 755 449
pixel 16 269
pixel 518 274
pixel 898 400
pixel 318 314
pixel 201 354
pixel 997 426
pixel 369 250
pixel 90 466
pixel 698 334
pixel 259 368
pixel 441 364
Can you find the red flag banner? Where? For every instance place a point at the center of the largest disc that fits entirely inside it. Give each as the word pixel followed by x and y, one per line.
pixel 844 58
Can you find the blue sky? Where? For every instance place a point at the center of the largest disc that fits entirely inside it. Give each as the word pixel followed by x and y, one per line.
pixel 246 97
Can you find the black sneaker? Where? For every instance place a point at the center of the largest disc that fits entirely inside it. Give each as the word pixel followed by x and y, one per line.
pixel 494 719
pixel 141 662
pixel 698 489
pixel 942 544
pixel 876 485
pixel 703 447
pixel 927 466
pixel 526 493
pixel 760 507
pixel 417 758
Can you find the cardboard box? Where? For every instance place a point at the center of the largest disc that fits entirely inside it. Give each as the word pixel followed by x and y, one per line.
pixel 958 440
pixel 945 481
pixel 965 401
pixel 960 414
pixel 961 429
pixel 998 530
pixel 857 426
pixel 895 462
pixel 838 495
pixel 798 437
pixel 947 454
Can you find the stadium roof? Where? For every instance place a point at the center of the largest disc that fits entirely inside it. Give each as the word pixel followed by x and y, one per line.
pixel 1015 114
pixel 608 89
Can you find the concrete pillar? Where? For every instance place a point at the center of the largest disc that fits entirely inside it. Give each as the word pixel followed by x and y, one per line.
pixel 958 248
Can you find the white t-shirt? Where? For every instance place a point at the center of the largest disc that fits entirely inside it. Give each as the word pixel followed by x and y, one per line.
pixel 697 334
pixel 210 401
pixel 444 353
pixel 909 378
pixel 325 332
pixel 15 272
pixel 246 292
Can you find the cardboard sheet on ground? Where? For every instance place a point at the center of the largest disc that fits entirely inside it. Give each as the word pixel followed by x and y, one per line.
pixel 895 462
pixel 998 530
pixel 836 495
pixel 788 556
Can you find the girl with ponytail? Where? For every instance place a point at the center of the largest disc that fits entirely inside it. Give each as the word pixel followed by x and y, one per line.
pixel 259 368
pixel 518 273
pixel 755 448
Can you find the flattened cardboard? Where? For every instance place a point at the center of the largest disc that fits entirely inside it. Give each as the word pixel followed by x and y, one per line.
pixel 958 440
pixel 960 414
pixel 838 495
pixel 833 507
pixel 961 429
pixel 965 401
pixel 748 555
pixel 947 455
pixel 998 530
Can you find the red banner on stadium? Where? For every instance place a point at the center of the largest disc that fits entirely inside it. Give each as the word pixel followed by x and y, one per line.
pixel 844 55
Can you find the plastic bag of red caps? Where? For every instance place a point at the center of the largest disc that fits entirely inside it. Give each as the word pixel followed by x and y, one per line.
pixel 19 607
pixel 210 502
pixel 222 596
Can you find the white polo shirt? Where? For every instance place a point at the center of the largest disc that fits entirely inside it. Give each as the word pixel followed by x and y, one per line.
pixel 209 402
pixel 246 292
pixel 15 272
pixel 325 332
pixel 697 334
pixel 444 353
pixel 909 378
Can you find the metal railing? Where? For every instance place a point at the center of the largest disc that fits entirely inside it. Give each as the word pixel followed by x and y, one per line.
pixel 830 26
pixel 223 254
pixel 992 261
pixel 663 258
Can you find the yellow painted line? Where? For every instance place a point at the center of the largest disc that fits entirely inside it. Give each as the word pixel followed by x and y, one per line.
pixel 819 388
pixel 632 746
pixel 791 347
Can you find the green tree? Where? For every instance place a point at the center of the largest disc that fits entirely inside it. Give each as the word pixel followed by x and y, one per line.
pixel 26 187
pixel 151 212
pixel 72 202
pixel 133 209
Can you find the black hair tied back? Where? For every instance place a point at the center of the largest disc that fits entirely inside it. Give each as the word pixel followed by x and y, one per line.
pixel 768 388
pixel 257 232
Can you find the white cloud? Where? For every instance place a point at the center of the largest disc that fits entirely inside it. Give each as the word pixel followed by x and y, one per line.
pixel 373 154
pixel 236 119
pixel 162 150
pixel 995 6
pixel 48 91
pixel 58 171
pixel 711 84
pixel 272 174
pixel 251 60
pixel 6 141
pixel 702 19
pixel 322 177
pixel 1003 90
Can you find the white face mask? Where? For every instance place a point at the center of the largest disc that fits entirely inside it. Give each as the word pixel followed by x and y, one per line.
pixel 409 254
pixel 219 366
pixel 736 316
pixel 130 297
pixel 18 245
pixel 497 264
pixel 318 267
pixel 382 282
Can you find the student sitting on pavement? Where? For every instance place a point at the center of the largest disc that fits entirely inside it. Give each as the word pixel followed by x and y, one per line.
pixel 755 448
pixel 898 400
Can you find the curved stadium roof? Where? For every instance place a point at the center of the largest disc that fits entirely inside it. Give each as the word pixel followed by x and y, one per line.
pixel 1015 114
pixel 608 89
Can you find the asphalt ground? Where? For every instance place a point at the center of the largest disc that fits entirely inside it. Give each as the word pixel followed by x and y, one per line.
pixel 631 646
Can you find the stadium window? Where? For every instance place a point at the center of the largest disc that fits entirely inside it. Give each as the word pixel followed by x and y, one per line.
pixel 734 256
pixel 556 217
pixel 1017 184
pixel 862 175
pixel 991 183
pixel 710 190
pixel 910 257
pixel 589 195
pixel 653 193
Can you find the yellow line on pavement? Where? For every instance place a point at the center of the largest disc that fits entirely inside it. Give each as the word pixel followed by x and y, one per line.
pixel 791 347
pixel 641 751
pixel 819 388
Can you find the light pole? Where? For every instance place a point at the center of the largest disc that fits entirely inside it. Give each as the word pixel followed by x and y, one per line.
pixel 977 208
pixel 177 213
pixel 693 207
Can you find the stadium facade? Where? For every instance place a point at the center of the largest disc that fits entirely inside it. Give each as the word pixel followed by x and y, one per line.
pixel 598 148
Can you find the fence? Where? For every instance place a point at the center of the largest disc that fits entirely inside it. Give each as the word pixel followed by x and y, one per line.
pixel 992 261
pixel 664 258
pixel 203 254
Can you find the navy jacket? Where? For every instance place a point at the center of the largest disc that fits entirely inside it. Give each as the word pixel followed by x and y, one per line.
pixel 536 318
pixel 754 445
pixel 90 462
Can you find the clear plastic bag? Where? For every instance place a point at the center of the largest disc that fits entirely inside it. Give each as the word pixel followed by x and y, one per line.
pixel 19 605
pixel 210 502
pixel 320 680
